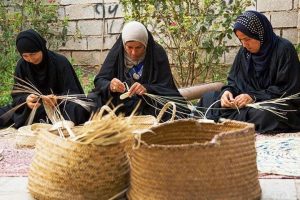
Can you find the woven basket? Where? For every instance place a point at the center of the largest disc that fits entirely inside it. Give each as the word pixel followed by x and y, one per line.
pixel 63 169
pixel 188 159
pixel 146 121
pixel 26 136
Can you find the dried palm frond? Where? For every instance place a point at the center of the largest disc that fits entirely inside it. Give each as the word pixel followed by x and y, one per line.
pixel 104 130
pixel 53 112
pixel 270 105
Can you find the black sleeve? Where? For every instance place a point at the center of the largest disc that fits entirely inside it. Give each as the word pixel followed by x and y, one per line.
pixel 231 85
pixel 287 74
pixel 162 82
pixel 108 71
pixel 63 79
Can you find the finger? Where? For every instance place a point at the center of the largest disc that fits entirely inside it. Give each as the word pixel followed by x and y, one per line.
pixel 121 87
pixel 133 89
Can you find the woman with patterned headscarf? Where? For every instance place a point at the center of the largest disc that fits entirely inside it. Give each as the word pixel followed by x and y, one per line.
pixel 50 73
pixel 266 67
pixel 138 61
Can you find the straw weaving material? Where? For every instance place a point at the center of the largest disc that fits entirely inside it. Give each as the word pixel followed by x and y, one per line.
pixel 187 159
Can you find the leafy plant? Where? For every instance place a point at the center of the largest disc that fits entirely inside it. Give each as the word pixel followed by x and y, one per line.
pixel 19 15
pixel 194 33
pixel 86 79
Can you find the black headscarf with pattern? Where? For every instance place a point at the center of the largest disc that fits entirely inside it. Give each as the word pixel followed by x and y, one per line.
pixel 255 25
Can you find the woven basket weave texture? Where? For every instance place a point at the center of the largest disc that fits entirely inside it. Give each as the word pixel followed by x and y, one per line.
pixel 63 169
pixel 187 159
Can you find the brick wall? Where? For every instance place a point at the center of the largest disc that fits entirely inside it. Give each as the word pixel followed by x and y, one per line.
pixel 94 26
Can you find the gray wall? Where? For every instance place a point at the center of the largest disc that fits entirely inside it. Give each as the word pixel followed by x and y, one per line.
pixel 94 26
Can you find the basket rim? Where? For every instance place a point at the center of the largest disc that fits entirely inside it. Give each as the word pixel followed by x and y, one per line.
pixel 56 137
pixel 215 141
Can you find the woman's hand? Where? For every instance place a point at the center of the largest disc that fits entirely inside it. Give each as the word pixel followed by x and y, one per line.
pixel 50 100
pixel 227 100
pixel 117 86
pixel 137 88
pixel 32 101
pixel 242 100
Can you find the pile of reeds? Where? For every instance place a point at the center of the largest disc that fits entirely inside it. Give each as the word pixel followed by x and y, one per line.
pixel 103 130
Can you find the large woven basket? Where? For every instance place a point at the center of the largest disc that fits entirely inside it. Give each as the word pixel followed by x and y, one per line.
pixel 64 169
pixel 188 159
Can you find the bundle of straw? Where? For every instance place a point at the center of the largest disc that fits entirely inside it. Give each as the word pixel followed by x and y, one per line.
pixel 53 112
pixel 104 130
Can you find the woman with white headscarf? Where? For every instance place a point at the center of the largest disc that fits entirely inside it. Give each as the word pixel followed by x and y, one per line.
pixel 141 63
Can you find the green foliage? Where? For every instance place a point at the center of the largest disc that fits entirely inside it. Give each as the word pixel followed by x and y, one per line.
pixel 194 33
pixel 19 15
pixel 86 80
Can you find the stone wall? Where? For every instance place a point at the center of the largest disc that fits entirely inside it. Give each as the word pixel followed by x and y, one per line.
pixel 94 26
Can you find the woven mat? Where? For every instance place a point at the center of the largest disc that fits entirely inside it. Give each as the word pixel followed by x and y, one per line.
pixel 278 156
pixel 13 161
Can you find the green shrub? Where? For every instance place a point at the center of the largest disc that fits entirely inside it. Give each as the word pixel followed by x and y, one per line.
pixel 192 31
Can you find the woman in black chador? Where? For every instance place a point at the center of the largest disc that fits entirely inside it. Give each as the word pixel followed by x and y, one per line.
pixel 49 72
pixel 266 67
pixel 141 63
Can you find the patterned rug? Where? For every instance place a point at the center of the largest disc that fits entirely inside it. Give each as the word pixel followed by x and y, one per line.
pixel 278 156
pixel 13 161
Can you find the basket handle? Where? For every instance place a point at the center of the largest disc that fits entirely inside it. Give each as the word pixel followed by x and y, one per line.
pixel 164 109
pixel 135 109
pixel 103 109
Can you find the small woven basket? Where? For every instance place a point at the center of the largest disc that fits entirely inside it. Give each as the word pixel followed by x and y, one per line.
pixel 188 159
pixel 64 169
pixel 26 136
pixel 140 122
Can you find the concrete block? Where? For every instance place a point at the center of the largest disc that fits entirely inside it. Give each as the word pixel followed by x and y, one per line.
pixel 113 26
pixel 296 4
pixel 230 56
pixel 234 41
pixel 80 11
pixel 274 5
pixel 89 58
pixel 284 19
pixel 77 44
pixel 99 43
pixel 278 32
pixel 72 28
pixel 61 12
pixel 108 10
pixel 72 2
pixel 67 54
pixel 298 21
pixel 90 27
pixel 291 34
